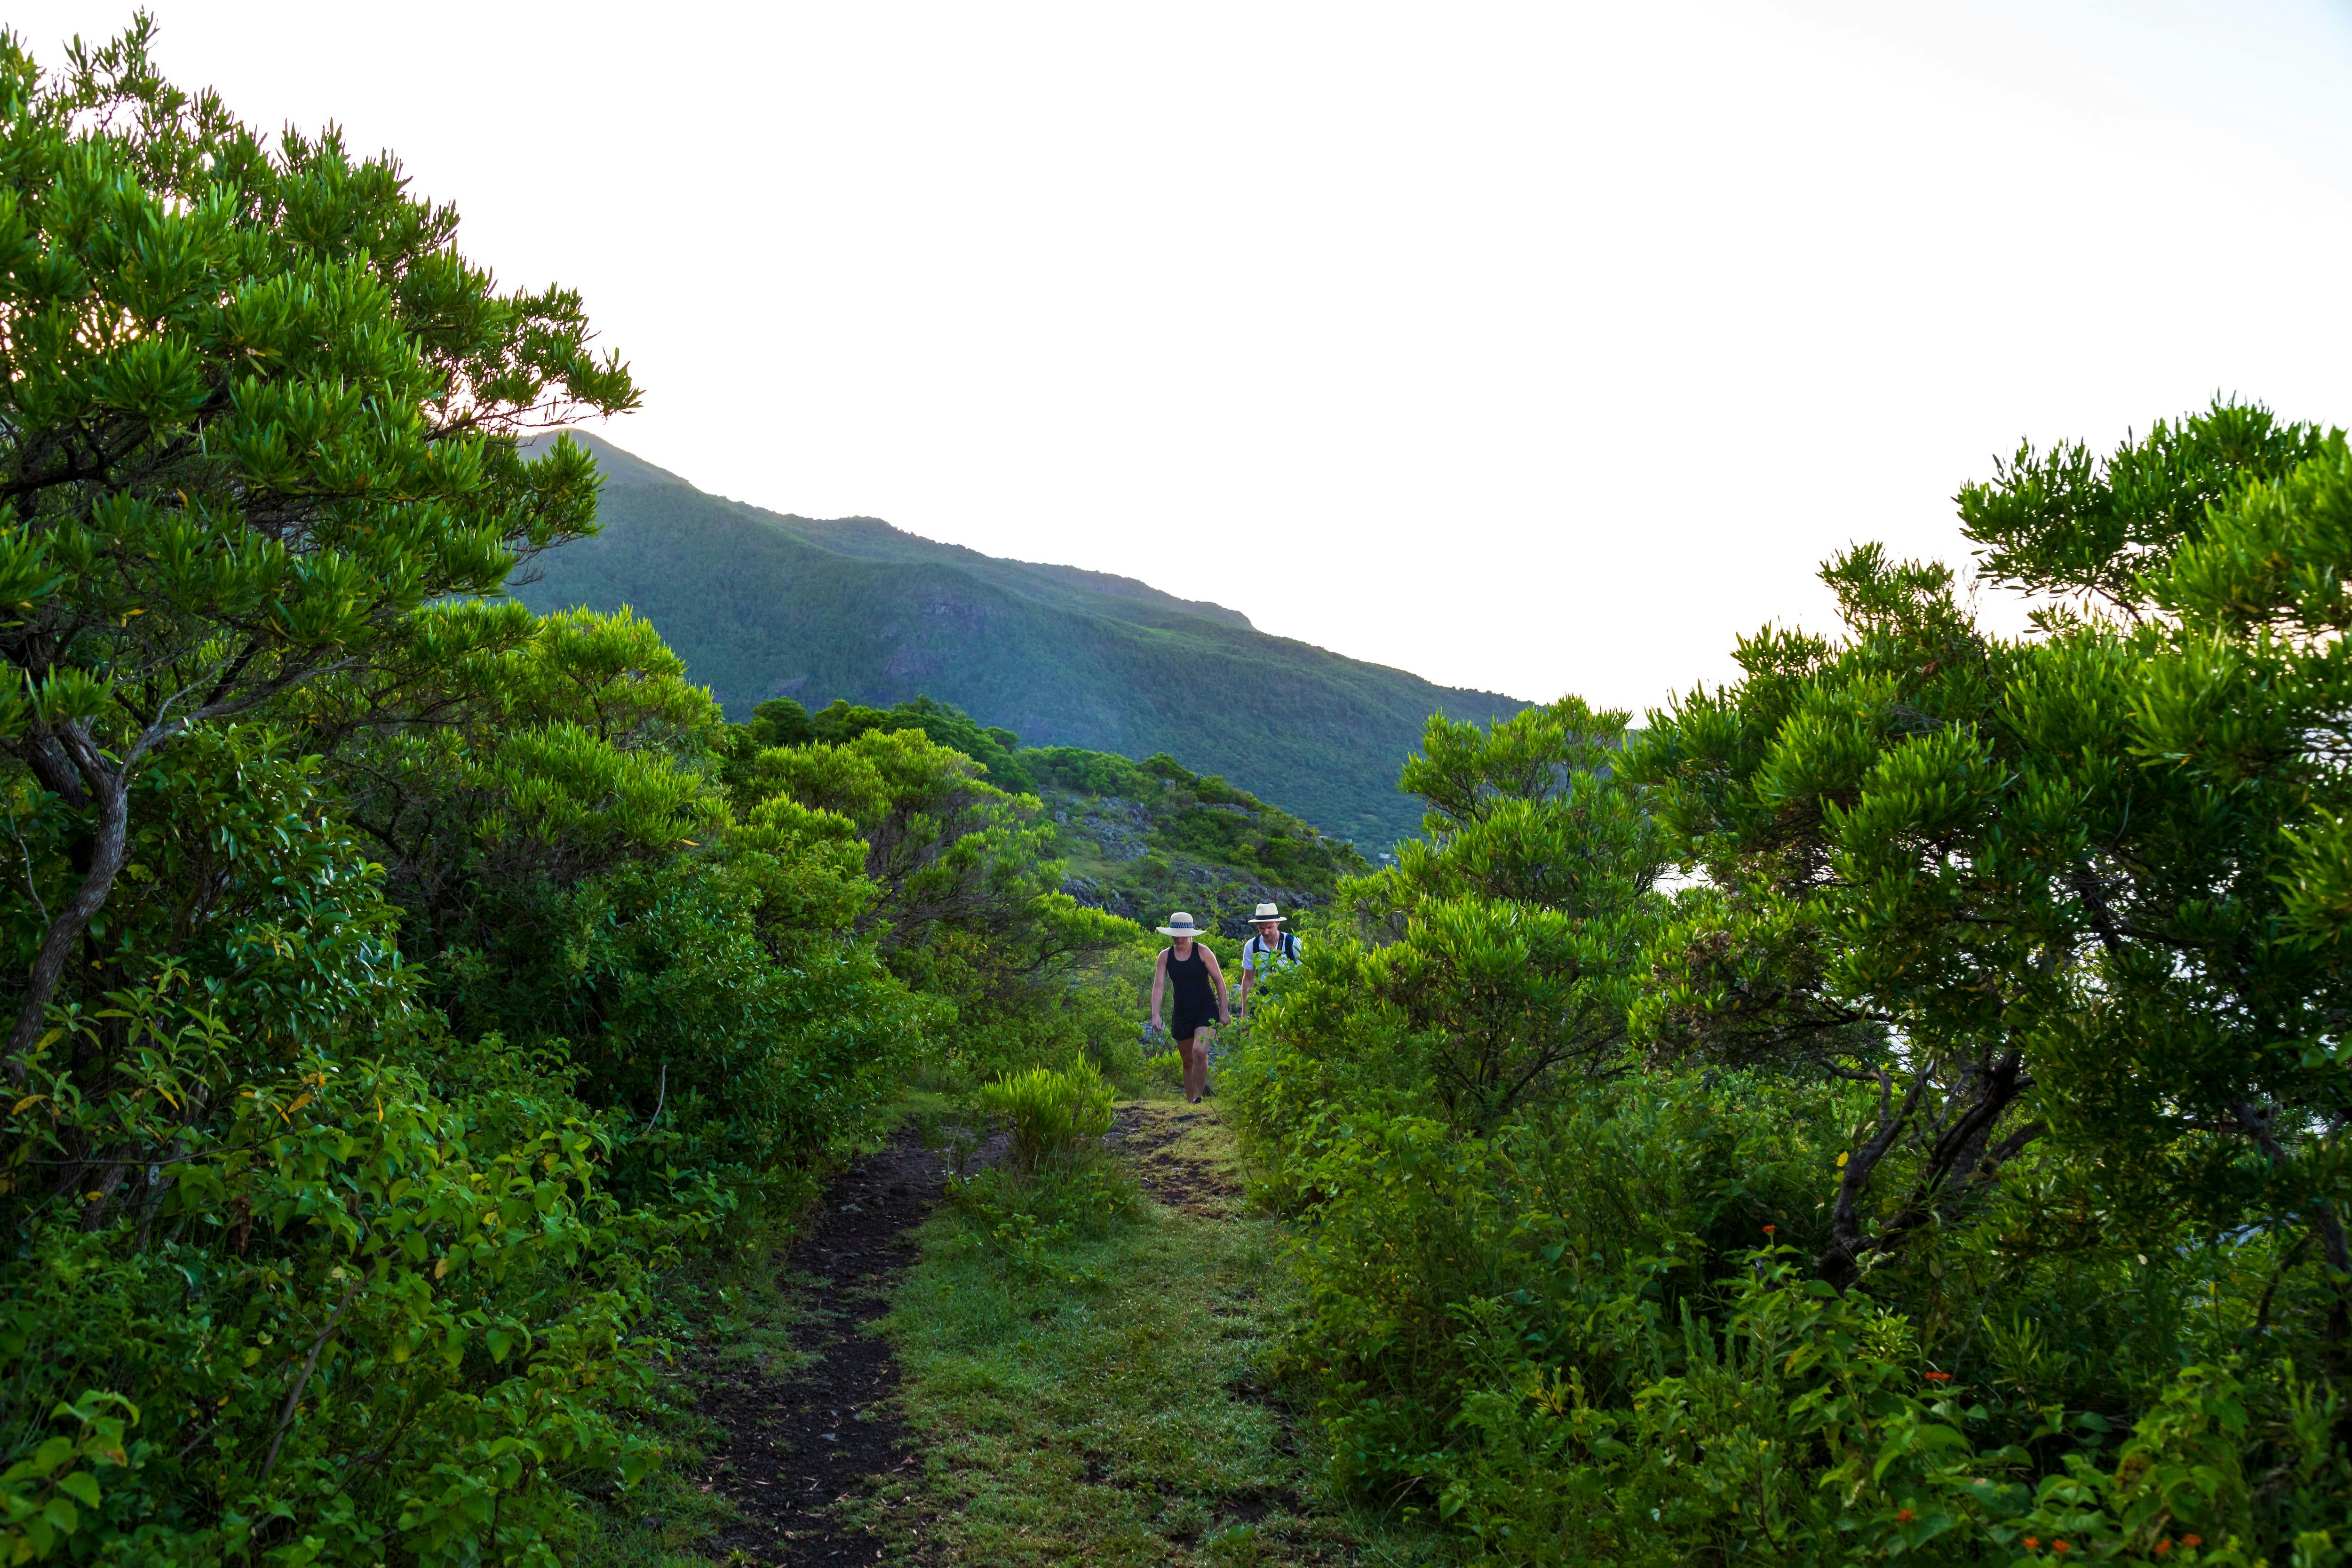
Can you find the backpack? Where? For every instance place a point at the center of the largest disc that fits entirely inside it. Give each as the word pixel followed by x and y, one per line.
pixel 1288 950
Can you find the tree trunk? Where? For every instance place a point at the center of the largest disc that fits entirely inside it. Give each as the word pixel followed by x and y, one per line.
pixel 1841 1264
pixel 1956 1163
pixel 109 845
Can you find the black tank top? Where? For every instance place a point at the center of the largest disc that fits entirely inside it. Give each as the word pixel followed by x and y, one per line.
pixel 1188 982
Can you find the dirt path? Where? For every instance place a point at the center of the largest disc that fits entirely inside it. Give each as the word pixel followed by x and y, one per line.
pixel 1147 1137
pixel 801 1441
pixel 1108 1401
pixel 1106 1408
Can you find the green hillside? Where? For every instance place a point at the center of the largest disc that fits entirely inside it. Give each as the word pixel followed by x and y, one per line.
pixel 762 604
pixel 1139 839
pixel 1142 840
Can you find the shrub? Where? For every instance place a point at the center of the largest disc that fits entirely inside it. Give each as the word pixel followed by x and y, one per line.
pixel 1107 1017
pixel 1090 773
pixel 1052 1114
pixel 356 1318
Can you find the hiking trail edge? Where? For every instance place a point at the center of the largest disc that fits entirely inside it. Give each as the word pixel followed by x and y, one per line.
pixel 829 1428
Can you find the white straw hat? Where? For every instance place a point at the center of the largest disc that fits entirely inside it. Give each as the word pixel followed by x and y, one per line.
pixel 1181 924
pixel 1267 913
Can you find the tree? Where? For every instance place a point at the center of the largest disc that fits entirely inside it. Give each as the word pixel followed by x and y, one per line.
pixel 843 722
pixel 1836 804
pixel 257 409
pixel 2204 1049
pixel 1493 965
pixel 498 758
pixel 778 722
pixel 2082 879
pixel 967 905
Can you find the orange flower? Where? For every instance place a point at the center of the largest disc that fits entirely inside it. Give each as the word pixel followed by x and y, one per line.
pixel 1939 1377
pixel 1770 1229
pixel 2031 1542
pixel 2162 1547
pixel 2057 1546
pixel 1903 1516
pixel 2192 1541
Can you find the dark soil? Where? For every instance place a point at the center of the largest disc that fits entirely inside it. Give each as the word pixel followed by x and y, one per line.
pixel 801 1441
pixel 1179 1183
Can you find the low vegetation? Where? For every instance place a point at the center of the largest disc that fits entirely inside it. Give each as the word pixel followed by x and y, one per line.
pixel 1142 839
pixel 1052 1117
pixel 1102 1396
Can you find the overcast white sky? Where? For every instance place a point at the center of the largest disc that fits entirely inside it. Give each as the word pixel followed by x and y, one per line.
pixel 1535 347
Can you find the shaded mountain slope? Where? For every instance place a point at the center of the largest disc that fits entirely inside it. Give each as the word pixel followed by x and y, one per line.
pixel 762 604
pixel 1141 841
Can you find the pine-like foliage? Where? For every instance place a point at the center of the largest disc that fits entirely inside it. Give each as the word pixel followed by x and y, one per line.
pixel 1954 1165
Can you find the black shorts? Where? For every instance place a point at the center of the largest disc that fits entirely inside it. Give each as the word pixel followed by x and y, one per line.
pixel 1184 1025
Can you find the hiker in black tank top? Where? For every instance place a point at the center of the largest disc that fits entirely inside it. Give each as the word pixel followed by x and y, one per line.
pixel 1188 969
pixel 1188 989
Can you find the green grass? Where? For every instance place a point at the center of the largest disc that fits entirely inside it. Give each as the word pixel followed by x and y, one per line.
pixel 658 1525
pixel 1107 1405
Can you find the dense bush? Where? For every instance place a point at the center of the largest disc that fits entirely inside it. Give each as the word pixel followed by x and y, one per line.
pixel 404 985
pixel 1955 1166
pixel 367 1316
pixel 1090 773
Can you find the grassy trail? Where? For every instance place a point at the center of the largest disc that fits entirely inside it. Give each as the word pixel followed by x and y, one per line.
pixel 1102 1403
pixel 1079 1399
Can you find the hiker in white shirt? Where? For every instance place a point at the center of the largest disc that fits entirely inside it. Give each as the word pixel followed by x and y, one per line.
pixel 1267 951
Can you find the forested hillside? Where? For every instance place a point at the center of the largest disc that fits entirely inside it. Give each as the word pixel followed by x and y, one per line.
pixel 760 604
pixel 1139 839
pixel 429 1021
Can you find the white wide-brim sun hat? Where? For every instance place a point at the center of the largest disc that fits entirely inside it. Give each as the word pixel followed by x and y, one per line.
pixel 1267 913
pixel 1181 924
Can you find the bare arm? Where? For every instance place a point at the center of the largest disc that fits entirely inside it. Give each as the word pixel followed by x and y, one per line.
pixel 1217 978
pixel 1159 985
pixel 1247 976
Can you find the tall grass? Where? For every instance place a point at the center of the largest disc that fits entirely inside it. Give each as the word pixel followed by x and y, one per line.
pixel 1051 1113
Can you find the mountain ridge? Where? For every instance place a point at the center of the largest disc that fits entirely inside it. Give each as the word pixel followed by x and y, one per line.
pixel 874 539
pixel 763 604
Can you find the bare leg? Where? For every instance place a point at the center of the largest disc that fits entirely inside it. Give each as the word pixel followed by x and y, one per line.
pixel 1196 1066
